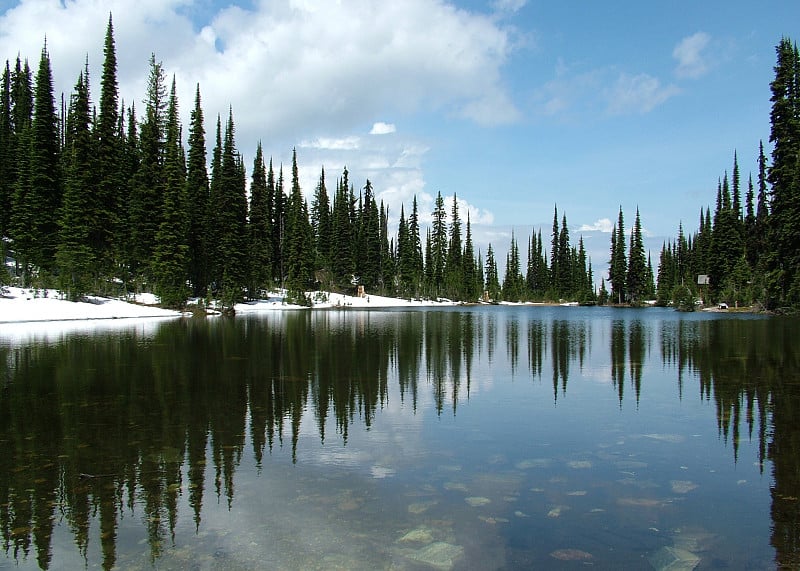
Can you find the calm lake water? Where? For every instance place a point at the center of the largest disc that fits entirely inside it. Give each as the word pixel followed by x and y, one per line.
pixel 465 438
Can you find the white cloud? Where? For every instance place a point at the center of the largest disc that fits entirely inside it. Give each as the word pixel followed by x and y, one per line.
pixel 295 73
pixel 381 128
pixel 639 93
pixel 286 67
pixel 508 6
pixel 689 53
pixel 343 144
pixel 601 225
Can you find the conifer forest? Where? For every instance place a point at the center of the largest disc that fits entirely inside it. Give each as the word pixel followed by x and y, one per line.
pixel 110 199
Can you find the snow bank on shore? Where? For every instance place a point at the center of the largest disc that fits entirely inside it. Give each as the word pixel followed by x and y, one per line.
pixel 26 305
pixel 18 305
pixel 325 300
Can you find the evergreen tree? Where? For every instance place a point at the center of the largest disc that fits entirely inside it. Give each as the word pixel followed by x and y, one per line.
pixel 299 238
pixel 7 174
pixel 454 266
pixel 75 257
pixel 322 225
pixel 129 165
pixel 726 242
pixel 197 196
pixel 405 258
pixel 473 288
pixel 602 296
pixel 512 281
pixel 232 221
pixel 146 199
pixel 45 193
pixel 564 280
pixel 109 177
pixel 438 245
pixel 278 242
pixel 618 264
pixel 415 243
pixel 341 253
pixel 762 223
pixel 784 234
pixel 386 257
pixel 637 279
pixel 554 251
pixel 492 281
pixel 583 288
pixel 259 228
pixel 213 233
pixel 171 249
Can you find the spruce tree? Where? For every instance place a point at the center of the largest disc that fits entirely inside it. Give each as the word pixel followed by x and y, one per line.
pixel 299 238
pixel 45 192
pixel 169 266
pixel 762 223
pixel 564 281
pixel 637 280
pixel 404 255
pixel 341 252
pixel 197 197
pixel 618 263
pixel 322 226
pixel 259 228
pixel 75 256
pixel 784 205
pixel 109 176
pixel 386 257
pixel 415 243
pixel 454 266
pixel 492 280
pixel 438 245
pixel 6 158
pixel 368 242
pixel 213 229
pixel 473 288
pixel 512 281
pixel 554 251
pixel 232 219
pixel 146 199
pixel 128 165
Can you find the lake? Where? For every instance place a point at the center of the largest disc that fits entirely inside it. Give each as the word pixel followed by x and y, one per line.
pixel 461 438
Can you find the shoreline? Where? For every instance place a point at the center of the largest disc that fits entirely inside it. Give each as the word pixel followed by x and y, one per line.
pixel 26 305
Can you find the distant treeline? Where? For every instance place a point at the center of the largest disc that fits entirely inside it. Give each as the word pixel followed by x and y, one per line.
pixel 100 200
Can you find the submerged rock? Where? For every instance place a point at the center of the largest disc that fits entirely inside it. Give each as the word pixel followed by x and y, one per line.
pixel 579 464
pixel 533 463
pixel 476 501
pixel 455 487
pixel 571 555
pixel 439 555
pixel 420 535
pixel 421 507
pixel 674 559
pixel 682 486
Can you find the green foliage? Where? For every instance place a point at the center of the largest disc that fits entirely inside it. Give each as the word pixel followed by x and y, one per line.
pixel 683 298
pixel 75 257
pixel 197 196
pixel 636 281
pixel 617 267
pixel 170 254
pixel 93 195
pixel 259 229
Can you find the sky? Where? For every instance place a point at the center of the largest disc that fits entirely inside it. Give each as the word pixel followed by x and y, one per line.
pixel 517 107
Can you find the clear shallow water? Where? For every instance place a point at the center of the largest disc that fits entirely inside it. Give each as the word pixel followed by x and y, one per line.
pixel 467 438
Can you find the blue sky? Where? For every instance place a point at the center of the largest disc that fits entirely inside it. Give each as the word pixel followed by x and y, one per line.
pixel 515 106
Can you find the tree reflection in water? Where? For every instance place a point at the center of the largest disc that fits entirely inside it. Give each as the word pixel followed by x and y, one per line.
pixel 92 427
